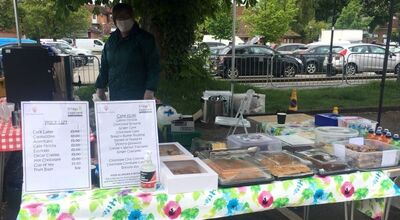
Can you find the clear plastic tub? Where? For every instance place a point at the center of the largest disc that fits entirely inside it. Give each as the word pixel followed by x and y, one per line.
pixel 263 141
pixel 370 154
pixel 238 172
pixel 328 135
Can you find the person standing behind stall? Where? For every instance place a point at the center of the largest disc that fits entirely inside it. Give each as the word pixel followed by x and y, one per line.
pixel 130 61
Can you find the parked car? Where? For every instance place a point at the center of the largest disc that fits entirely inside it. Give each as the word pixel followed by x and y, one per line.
pixel 288 48
pixel 85 54
pixel 213 60
pixel 90 44
pixel 77 61
pixel 257 60
pixel 214 44
pixel 313 57
pixel 358 58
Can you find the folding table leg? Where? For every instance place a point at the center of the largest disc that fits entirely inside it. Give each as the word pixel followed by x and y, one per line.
pixel 388 204
pixel 352 210
pixel 306 214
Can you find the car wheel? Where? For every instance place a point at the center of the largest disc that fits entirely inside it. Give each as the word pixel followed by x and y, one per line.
pixel 311 68
pixel 289 70
pixel 397 69
pixel 85 60
pixel 351 69
pixel 232 75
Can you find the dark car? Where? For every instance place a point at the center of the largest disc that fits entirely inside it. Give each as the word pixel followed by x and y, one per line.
pixel 313 57
pixel 289 48
pixel 252 60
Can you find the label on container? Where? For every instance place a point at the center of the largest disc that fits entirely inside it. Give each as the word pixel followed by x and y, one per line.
pixel 389 158
pixel 148 179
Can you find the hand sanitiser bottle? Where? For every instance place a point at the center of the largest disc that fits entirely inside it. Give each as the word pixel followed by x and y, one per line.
pixel 148 178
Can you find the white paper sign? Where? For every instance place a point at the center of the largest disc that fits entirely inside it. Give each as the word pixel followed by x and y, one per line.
pixel 340 151
pixel 56 146
pixel 125 131
pixel 389 158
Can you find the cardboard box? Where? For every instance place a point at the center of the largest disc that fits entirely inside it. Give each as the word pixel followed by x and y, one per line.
pixel 182 152
pixel 184 124
pixel 205 179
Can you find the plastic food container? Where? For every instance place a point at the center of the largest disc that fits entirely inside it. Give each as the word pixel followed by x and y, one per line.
pixel 325 163
pixel 369 154
pixel 284 165
pixel 173 150
pixel 328 135
pixel 263 141
pixel 238 172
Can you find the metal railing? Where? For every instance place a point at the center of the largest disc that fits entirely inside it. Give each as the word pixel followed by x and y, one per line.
pixel 278 71
pixel 361 68
pixel 311 71
pixel 85 69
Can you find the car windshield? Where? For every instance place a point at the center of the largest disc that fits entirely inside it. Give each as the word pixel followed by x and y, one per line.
pixel 214 51
pixel 65 46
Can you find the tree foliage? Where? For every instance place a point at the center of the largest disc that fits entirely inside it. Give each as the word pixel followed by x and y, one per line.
pixel 305 14
pixel 352 17
pixel 324 9
pixel 41 19
pixel 7 21
pixel 270 18
pixel 220 24
pixel 378 10
pixel 313 29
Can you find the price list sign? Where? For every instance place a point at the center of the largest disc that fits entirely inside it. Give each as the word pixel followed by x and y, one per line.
pixel 56 146
pixel 125 131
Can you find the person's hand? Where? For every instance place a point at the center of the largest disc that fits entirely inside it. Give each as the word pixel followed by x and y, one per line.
pixel 101 93
pixel 148 94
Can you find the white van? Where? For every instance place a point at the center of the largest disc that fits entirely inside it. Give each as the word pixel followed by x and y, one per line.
pixel 90 44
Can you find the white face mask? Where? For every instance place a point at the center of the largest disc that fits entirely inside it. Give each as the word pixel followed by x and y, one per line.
pixel 125 25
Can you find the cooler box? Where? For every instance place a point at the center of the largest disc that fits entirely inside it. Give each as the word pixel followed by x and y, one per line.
pixel 326 119
pixel 263 141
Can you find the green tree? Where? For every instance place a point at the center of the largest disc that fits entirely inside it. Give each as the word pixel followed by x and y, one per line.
pixel 313 29
pixel 41 19
pixel 324 9
pixel 270 18
pixel 379 10
pixel 305 14
pixel 220 24
pixel 7 16
pixel 352 17
pixel 173 23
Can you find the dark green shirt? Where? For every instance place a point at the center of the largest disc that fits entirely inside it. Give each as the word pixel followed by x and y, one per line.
pixel 129 65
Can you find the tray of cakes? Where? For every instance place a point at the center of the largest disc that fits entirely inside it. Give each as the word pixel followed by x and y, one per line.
pixel 237 170
pixel 173 150
pixel 284 165
pixel 366 154
pixel 325 163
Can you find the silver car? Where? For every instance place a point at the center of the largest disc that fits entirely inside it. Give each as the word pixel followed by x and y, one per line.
pixel 357 58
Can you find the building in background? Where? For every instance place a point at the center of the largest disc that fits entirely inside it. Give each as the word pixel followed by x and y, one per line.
pixel 102 23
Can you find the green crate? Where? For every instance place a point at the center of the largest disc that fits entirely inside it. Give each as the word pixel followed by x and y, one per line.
pixel 185 138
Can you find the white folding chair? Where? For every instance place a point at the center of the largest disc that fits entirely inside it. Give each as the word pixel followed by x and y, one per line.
pixel 238 120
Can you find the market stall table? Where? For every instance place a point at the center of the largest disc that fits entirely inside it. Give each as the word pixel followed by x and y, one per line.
pixel 262 121
pixel 10 140
pixel 133 204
